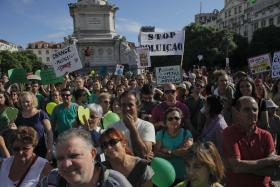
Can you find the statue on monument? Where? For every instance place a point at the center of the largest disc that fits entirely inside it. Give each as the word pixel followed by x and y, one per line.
pixel 96 2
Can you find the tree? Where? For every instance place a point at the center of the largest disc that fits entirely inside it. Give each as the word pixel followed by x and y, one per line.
pixel 265 40
pixel 21 59
pixel 214 45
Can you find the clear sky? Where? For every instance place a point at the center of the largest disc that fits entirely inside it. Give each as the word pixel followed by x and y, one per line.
pixel 25 21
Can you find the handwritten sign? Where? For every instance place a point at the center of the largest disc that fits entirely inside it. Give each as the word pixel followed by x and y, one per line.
pixel 66 60
pixel 276 65
pixel 167 43
pixel 259 64
pixel 143 55
pixel 119 69
pixel 168 74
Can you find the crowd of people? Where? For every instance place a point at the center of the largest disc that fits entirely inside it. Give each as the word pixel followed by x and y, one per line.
pixel 215 129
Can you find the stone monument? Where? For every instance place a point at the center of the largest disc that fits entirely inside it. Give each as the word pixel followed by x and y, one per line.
pixel 94 30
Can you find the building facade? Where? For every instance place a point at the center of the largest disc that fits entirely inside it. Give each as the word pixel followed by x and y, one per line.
pixel 5 45
pixel 44 50
pixel 243 17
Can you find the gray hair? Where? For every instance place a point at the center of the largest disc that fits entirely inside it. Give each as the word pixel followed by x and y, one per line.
pixel 96 108
pixel 76 133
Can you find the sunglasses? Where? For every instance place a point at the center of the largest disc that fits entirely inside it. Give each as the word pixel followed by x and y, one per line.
pixel 172 118
pixel 111 142
pixel 169 91
pixel 24 149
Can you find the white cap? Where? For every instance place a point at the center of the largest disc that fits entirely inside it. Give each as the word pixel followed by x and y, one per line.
pixel 271 104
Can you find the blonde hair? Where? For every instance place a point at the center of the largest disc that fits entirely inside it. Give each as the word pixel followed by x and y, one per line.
pixel 33 98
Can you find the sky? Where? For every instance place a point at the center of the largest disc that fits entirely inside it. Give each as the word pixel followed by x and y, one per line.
pixel 26 21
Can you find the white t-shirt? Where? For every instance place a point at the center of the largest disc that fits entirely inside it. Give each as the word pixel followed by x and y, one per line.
pixel 145 129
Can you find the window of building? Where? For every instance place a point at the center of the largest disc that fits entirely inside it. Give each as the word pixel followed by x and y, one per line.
pixel 47 52
pixel 39 52
pixel 235 10
pixel 240 9
pixel 225 14
pixel 40 59
pixel 245 33
pixel 256 25
pixel 229 12
pixel 271 21
pixel 48 59
pixel 278 20
pixel 263 23
pixel 46 45
pixel 263 12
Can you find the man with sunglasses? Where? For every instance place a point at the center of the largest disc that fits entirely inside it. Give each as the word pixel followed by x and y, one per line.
pixel 65 114
pixel 170 100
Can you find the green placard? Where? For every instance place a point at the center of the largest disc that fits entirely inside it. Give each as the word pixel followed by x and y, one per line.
pixel 48 77
pixel 17 76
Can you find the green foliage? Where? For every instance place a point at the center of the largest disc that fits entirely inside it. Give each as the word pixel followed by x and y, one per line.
pixel 214 45
pixel 21 59
pixel 265 40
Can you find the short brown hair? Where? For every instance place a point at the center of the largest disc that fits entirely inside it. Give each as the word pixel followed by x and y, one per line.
pixel 26 135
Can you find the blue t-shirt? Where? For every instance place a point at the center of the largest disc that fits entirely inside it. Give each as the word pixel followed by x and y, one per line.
pixel 173 143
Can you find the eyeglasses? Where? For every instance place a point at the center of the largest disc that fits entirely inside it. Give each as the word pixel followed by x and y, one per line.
pixel 65 95
pixel 169 91
pixel 172 118
pixel 111 142
pixel 17 149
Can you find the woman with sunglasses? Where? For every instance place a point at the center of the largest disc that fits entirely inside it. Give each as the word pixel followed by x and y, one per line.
pixel 120 158
pixel 38 119
pixel 24 168
pixel 173 141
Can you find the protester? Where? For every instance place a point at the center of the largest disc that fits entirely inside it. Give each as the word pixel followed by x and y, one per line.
pixel 24 168
pixel 248 149
pixel 76 164
pixel 214 123
pixel 139 133
pixel 38 119
pixel 173 141
pixel 5 102
pixel 121 158
pixel 204 165
pixel 64 115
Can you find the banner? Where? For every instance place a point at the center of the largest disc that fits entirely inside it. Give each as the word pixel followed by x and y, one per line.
pixel 66 60
pixel 143 57
pixel 276 65
pixel 169 74
pixel 259 64
pixel 48 77
pixel 166 43
pixel 17 76
pixel 119 69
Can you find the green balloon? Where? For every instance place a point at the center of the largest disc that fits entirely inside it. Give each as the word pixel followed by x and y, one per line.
pixel 164 172
pixel 110 118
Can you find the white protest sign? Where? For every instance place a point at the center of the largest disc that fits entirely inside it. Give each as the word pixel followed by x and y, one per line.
pixel 119 69
pixel 143 57
pixel 66 60
pixel 259 64
pixel 169 74
pixel 165 43
pixel 276 65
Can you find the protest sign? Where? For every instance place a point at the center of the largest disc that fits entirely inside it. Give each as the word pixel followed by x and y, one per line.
pixel 119 69
pixel 48 77
pixel 66 60
pixel 166 43
pixel 259 64
pixel 17 76
pixel 168 74
pixel 143 57
pixel 276 65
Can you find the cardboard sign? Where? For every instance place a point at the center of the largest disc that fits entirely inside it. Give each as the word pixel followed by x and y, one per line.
pixel 119 69
pixel 259 64
pixel 48 76
pixel 17 76
pixel 276 65
pixel 166 43
pixel 169 74
pixel 66 60
pixel 143 57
